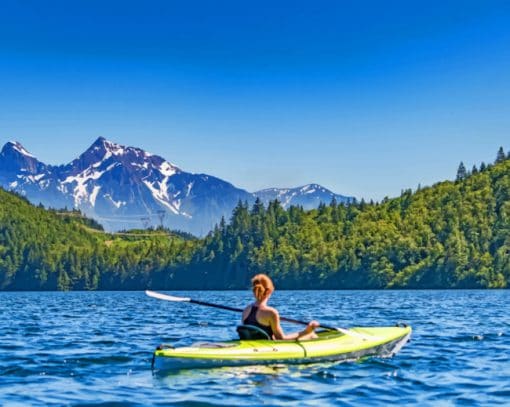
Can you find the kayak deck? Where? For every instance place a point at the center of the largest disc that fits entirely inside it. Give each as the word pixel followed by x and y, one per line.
pixel 329 346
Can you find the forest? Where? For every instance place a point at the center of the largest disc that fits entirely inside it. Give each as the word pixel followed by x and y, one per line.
pixel 454 234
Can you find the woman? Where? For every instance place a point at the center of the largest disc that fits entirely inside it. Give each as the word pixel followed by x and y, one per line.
pixel 267 318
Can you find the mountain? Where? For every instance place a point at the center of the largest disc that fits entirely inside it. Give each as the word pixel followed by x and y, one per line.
pixel 126 187
pixel 20 171
pixel 308 196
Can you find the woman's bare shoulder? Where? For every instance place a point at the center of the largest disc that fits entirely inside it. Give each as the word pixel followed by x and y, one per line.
pixel 271 311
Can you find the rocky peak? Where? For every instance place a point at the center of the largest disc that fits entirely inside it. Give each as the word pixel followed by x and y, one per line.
pixel 14 157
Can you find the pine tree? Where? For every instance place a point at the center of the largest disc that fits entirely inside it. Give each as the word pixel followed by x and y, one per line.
pixel 461 172
pixel 501 155
pixel 258 207
pixel 474 170
pixel 223 225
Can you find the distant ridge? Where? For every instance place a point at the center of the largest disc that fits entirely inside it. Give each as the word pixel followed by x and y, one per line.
pixel 308 196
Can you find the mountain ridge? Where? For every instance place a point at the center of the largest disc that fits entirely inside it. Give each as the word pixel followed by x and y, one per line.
pixel 123 187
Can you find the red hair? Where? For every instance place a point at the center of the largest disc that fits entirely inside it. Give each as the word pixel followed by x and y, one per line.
pixel 262 286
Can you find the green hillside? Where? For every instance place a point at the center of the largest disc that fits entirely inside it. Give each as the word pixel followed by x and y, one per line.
pixel 450 235
pixel 48 250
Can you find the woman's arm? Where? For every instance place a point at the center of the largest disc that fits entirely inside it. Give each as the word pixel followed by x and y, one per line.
pixel 279 334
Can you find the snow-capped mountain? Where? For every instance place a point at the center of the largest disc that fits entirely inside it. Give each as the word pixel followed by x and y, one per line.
pixel 126 187
pixel 308 196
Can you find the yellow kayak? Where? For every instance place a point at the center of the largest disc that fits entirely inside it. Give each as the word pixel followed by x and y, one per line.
pixel 329 346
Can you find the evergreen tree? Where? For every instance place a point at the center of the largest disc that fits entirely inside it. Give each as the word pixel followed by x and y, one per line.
pixel 500 156
pixel 461 172
pixel 258 207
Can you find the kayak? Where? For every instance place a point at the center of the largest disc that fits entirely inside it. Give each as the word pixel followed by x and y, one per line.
pixel 329 346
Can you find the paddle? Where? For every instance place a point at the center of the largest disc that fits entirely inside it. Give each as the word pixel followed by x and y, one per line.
pixel 166 297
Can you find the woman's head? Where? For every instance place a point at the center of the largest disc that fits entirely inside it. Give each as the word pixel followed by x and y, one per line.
pixel 262 286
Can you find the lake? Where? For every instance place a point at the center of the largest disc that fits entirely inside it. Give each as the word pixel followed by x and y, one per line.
pixel 92 348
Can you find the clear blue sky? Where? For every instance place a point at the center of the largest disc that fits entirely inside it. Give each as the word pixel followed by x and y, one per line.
pixel 363 97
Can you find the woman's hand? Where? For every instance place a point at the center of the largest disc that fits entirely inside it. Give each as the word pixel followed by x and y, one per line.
pixel 312 325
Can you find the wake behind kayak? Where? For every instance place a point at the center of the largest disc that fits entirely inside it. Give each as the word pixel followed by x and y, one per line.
pixel 329 346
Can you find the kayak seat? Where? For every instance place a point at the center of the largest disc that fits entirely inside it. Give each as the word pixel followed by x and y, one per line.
pixel 247 332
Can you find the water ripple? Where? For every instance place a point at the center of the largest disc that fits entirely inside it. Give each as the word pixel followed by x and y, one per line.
pixel 94 349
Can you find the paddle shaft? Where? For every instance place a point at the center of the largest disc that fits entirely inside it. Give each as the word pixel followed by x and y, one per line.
pixel 294 321
pixel 167 297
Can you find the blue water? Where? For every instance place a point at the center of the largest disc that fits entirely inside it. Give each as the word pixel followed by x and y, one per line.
pixel 89 348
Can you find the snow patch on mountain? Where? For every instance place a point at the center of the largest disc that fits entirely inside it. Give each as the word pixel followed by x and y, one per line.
pixel 161 195
pixel 115 203
pixel 82 180
pixel 167 169
pixel 93 195
pixel 189 188
pixel 20 149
